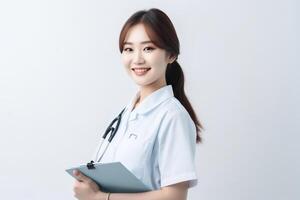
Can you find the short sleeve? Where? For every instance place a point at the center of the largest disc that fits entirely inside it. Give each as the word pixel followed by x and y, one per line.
pixel 176 149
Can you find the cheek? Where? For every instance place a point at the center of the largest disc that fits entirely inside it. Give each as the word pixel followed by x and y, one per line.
pixel 126 61
pixel 158 63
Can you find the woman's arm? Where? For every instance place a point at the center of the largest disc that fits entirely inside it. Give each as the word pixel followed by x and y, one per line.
pixel 87 189
pixel 172 192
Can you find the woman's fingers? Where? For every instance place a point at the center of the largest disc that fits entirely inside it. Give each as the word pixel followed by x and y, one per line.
pixel 80 176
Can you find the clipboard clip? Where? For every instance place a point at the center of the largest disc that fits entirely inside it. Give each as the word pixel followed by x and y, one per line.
pixel 90 165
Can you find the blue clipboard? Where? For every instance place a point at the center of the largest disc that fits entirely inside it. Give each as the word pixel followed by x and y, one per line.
pixel 112 177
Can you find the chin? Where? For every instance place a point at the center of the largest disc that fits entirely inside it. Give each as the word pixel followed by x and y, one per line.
pixel 141 83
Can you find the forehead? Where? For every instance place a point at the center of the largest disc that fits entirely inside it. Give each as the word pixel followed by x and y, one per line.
pixel 137 34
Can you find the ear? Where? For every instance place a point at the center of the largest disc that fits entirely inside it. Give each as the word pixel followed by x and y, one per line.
pixel 171 58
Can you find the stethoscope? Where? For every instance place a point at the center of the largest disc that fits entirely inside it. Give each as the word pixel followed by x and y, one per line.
pixel 110 130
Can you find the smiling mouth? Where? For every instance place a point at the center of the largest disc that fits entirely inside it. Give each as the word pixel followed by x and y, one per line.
pixel 140 71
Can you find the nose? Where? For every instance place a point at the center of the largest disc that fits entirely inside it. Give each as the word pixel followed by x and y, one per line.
pixel 138 58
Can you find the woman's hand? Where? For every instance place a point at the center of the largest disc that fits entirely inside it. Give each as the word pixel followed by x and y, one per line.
pixel 86 189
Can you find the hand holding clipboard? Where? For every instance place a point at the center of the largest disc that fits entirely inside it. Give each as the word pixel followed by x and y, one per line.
pixel 112 177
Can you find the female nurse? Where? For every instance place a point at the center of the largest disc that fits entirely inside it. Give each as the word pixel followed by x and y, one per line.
pixel 157 136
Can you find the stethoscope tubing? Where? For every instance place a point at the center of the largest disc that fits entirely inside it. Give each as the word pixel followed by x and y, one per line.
pixel 112 131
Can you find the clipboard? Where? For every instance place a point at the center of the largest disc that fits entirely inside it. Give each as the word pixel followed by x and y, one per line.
pixel 112 177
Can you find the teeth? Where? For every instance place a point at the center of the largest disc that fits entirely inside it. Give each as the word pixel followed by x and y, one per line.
pixel 141 69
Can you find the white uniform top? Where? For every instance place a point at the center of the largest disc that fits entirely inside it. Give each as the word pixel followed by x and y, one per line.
pixel 156 141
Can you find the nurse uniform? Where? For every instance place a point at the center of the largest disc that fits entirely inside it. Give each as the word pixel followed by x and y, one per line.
pixel 156 141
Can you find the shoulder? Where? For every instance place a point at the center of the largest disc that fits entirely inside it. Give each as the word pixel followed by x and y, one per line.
pixel 176 126
pixel 172 111
pixel 172 108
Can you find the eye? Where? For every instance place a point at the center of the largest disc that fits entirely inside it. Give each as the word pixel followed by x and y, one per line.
pixel 148 49
pixel 127 49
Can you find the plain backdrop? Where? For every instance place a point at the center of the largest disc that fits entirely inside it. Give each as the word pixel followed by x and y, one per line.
pixel 62 82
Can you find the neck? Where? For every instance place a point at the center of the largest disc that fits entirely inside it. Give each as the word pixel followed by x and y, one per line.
pixel 147 90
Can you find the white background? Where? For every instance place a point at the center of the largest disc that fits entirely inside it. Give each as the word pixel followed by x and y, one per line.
pixel 62 82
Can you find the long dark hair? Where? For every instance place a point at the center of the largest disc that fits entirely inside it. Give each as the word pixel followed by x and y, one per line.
pixel 162 33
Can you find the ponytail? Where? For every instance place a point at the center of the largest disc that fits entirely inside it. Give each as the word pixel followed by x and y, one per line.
pixel 175 77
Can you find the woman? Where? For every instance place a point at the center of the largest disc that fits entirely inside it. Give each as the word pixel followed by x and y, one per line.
pixel 157 136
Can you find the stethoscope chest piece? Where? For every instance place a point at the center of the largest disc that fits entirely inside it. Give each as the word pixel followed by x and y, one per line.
pixel 91 165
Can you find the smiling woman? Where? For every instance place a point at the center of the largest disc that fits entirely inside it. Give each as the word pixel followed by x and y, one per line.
pixel 157 135
pixel 145 62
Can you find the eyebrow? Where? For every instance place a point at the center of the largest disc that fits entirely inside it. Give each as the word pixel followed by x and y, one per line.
pixel 144 42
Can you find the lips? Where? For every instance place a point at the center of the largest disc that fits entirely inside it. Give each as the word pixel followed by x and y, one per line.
pixel 140 71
